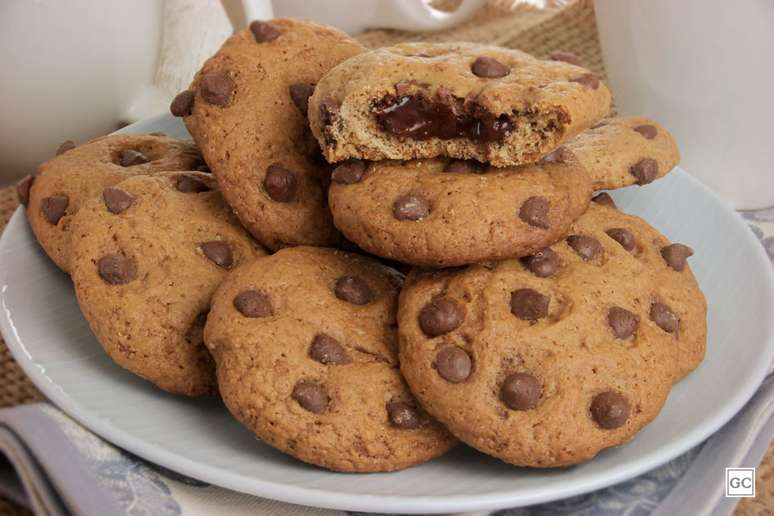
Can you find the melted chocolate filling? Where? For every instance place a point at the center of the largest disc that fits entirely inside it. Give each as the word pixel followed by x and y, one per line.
pixel 420 118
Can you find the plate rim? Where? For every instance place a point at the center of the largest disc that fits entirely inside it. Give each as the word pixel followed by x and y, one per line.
pixel 316 497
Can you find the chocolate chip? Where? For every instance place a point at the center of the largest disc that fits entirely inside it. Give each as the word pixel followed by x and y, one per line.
pixel 354 289
pixel 624 237
pixel 403 416
pixel 329 110
pixel 489 68
pixel 558 155
pixel 534 212
pixel 521 391
pixel 566 57
pixel 465 166
pixel 647 130
pixel 529 304
pixel 602 123
pixel 253 303
pixel 117 269
pixel 644 170
pixel 327 350
pixel 189 184
pixel 585 246
pixel 23 189
pixel 280 183
pixel 264 32
pixel 216 88
pixel 441 315
pixel 453 364
pixel 604 199
pixel 410 207
pixel 54 207
pixel 587 80
pixel 664 317
pixel 610 409
pixel 182 104
pixel 349 172
pixel 157 133
pixel 218 252
pixel 676 255
pixel 131 157
pixel 543 264
pixel 117 200
pixel 300 93
pixel 623 322
pixel 311 396
pixel 67 145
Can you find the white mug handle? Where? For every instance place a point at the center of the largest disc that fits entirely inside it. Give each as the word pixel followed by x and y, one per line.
pixel 420 15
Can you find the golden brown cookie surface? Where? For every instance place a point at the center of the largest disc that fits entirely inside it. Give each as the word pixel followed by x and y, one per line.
pixel 460 100
pixel 246 109
pixel 305 347
pixel 147 256
pixel 62 184
pixel 548 360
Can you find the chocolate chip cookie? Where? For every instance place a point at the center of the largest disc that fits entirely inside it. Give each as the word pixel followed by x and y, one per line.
pixel 77 173
pixel 623 151
pixel 305 347
pixel 246 109
pixel 440 213
pixel 147 255
pixel 460 100
pixel 547 360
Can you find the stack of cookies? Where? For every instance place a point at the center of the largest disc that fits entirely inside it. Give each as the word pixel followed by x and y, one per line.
pixel 537 322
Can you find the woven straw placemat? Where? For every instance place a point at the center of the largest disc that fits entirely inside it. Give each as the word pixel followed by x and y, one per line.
pixel 570 28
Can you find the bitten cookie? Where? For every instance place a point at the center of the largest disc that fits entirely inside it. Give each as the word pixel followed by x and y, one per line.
pixel 441 213
pixel 147 256
pixel 461 100
pixel 62 184
pixel 305 347
pixel 624 151
pixel 546 361
pixel 246 110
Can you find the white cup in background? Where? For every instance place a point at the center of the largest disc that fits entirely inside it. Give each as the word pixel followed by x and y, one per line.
pixel 703 69
pixel 74 69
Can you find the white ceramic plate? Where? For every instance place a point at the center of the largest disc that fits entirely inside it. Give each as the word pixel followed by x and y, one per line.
pixel 46 333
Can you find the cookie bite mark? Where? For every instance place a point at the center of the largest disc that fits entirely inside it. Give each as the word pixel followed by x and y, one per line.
pixel 441 315
pixel 217 88
pixel 521 391
pixel 218 252
pixel 116 200
pixel 264 32
pixel 453 364
pixel 622 322
pixel 182 104
pixel 585 246
pixel 610 410
pixel 329 114
pixel 676 255
pixel 354 289
pixel 403 415
pixel 664 317
pixel 117 269
pixel 54 207
pixel 529 304
pixel 534 211
pixel 411 207
pixel 328 351
pixel 311 396
pixel 645 171
pixel 280 183
pixel 489 68
pixel 253 303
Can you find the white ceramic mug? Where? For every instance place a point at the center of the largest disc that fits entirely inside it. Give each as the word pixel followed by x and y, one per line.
pixel 75 69
pixel 703 69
